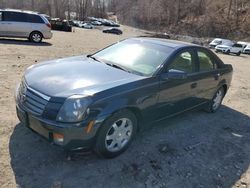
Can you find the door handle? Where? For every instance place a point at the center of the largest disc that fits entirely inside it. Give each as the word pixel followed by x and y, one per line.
pixel 193 85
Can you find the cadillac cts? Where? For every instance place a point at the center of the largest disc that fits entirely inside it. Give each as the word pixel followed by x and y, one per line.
pixel 100 101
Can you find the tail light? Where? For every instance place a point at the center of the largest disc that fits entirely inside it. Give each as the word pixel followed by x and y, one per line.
pixel 48 25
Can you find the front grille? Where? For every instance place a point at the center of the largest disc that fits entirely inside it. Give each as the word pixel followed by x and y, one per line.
pixel 35 102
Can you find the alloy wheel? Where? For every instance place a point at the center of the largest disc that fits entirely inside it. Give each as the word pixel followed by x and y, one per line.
pixel 119 135
pixel 217 99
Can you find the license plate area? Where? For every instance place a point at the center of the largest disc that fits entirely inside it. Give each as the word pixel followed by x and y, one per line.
pixel 36 126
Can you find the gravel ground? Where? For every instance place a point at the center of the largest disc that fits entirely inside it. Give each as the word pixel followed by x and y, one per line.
pixel 195 149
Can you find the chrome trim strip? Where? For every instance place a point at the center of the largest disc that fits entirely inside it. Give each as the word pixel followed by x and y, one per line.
pixel 47 98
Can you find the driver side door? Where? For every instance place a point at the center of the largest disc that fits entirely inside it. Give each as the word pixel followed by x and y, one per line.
pixel 177 94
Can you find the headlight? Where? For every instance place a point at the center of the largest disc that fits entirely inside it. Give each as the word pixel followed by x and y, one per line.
pixel 74 109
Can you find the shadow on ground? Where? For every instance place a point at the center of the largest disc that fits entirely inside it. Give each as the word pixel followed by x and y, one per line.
pixel 194 149
pixel 22 42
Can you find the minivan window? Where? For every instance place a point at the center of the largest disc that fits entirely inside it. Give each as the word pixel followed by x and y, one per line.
pixel 15 17
pixel 34 18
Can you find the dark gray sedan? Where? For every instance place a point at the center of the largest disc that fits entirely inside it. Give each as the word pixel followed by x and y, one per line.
pixel 101 100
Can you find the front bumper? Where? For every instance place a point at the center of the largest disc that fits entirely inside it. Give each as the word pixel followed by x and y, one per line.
pixel 71 136
pixel 223 50
pixel 246 52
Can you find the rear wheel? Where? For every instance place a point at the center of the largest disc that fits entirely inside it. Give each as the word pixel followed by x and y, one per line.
pixel 36 37
pixel 116 134
pixel 216 101
pixel 238 54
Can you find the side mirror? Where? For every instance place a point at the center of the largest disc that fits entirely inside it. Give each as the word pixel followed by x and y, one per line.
pixel 174 75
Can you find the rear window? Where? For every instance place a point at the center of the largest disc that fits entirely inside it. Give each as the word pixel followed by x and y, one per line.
pixel 237 45
pixel 15 16
pixel 34 18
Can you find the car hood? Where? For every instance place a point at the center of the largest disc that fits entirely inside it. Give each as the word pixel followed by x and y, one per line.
pixel 75 75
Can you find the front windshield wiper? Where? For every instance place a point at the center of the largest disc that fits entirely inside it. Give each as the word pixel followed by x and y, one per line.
pixel 109 64
pixel 118 67
pixel 94 58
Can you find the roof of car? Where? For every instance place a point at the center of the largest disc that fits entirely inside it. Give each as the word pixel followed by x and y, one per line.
pixel 165 42
pixel 17 10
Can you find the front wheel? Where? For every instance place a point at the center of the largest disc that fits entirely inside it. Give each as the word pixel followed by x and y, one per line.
pixel 36 37
pixel 238 54
pixel 216 101
pixel 116 134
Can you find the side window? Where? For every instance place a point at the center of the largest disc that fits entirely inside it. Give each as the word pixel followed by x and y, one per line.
pixel 183 62
pixel 34 18
pixel 237 45
pixel 15 17
pixel 206 62
pixel 1 16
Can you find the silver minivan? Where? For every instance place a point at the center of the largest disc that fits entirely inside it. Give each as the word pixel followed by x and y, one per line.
pixel 24 24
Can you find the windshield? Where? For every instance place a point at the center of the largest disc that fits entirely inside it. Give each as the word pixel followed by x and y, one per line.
pixel 217 41
pixel 137 56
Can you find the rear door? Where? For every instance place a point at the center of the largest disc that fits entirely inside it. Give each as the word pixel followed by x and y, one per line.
pixel 3 25
pixel 209 75
pixel 18 25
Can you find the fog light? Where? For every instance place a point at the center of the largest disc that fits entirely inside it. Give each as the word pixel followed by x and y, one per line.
pixel 58 138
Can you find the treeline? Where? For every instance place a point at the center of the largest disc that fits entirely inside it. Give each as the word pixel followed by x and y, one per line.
pixel 223 18
pixel 60 8
pixel 203 18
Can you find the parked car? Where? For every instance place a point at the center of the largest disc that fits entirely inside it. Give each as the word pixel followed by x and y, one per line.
pixel 230 48
pixel 73 23
pixel 24 24
pixel 219 41
pixel 87 26
pixel 244 44
pixel 100 101
pixel 97 23
pixel 247 49
pixel 113 30
pixel 60 25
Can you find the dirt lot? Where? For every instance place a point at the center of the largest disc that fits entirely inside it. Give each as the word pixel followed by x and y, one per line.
pixel 195 149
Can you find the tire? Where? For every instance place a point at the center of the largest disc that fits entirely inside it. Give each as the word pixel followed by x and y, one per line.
pixel 228 52
pixel 36 37
pixel 238 54
pixel 216 101
pixel 112 139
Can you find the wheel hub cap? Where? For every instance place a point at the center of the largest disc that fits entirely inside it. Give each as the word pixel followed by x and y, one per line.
pixel 119 135
pixel 217 100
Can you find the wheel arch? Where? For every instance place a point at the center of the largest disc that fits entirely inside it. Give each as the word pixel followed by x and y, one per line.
pixel 36 32
pixel 225 87
pixel 136 111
